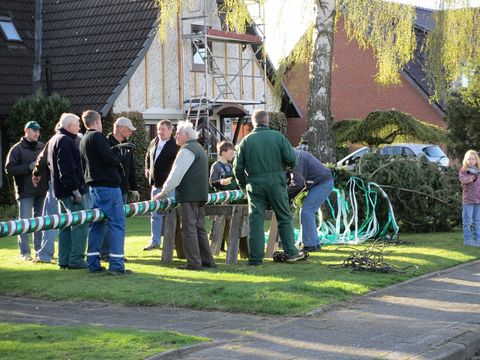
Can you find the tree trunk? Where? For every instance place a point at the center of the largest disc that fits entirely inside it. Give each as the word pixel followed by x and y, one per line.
pixel 319 134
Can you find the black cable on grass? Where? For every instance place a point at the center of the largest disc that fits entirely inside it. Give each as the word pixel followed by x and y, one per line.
pixel 395 240
pixel 370 259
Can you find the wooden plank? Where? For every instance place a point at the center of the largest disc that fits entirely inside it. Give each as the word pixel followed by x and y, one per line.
pixel 178 235
pixel 212 210
pixel 169 225
pixel 216 234
pixel 244 235
pixel 234 235
pixel 273 237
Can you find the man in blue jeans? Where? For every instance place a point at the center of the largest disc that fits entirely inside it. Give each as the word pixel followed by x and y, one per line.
pixel 20 163
pixel 159 160
pixel 312 176
pixel 103 174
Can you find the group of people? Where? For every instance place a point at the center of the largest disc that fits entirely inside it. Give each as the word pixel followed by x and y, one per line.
pixel 97 171
pixel 75 172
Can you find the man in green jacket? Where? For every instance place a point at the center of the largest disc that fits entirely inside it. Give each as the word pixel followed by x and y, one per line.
pixel 260 168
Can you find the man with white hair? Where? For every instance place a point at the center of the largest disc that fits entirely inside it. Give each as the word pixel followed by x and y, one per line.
pixel 189 178
pixel 66 176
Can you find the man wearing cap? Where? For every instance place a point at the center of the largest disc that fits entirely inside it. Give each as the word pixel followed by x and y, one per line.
pixel 103 174
pixel 159 160
pixel 20 163
pixel 122 130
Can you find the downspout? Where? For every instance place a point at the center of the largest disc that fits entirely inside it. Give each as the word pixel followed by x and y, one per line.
pixel 38 37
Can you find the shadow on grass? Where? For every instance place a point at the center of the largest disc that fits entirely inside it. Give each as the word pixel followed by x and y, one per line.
pixel 283 289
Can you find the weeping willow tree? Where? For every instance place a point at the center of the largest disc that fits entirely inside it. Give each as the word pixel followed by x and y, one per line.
pixel 387 127
pixel 387 28
pixel 453 48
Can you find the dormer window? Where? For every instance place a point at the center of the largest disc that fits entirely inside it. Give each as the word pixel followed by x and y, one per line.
pixel 9 31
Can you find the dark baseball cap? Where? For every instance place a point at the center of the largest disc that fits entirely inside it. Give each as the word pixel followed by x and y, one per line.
pixel 32 125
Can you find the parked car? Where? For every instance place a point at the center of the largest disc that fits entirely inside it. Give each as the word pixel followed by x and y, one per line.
pixel 432 153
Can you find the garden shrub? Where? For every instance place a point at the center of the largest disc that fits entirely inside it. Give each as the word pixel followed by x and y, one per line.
pixel 463 118
pixel 46 110
pixel 425 197
pixel 278 121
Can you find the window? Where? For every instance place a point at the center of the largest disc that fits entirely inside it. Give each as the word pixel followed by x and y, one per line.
pixel 434 152
pixel 199 52
pixel 9 31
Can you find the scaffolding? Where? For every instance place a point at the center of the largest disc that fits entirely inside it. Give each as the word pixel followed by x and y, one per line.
pixel 218 88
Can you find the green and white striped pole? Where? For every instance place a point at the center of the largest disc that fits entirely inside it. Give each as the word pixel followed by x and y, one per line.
pixel 58 221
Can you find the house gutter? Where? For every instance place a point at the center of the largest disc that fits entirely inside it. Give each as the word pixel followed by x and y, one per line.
pixel 38 39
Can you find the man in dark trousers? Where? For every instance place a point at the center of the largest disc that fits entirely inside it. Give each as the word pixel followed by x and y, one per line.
pixel 122 130
pixel 259 166
pixel 20 163
pixel 66 176
pixel 189 179
pixel 159 159
pixel 103 174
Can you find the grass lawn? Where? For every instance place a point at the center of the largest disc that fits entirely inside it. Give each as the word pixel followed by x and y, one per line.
pixel 283 289
pixel 27 341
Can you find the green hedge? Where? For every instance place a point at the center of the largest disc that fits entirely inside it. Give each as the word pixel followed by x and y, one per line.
pixel 278 121
pixel 46 110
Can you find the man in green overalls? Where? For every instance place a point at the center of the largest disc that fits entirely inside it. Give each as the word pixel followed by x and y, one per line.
pixel 259 167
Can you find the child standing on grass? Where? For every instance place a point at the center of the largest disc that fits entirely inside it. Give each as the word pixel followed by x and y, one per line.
pixel 468 176
pixel 221 173
pixel 222 178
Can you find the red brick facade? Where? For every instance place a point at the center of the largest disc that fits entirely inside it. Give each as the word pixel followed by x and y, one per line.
pixel 354 91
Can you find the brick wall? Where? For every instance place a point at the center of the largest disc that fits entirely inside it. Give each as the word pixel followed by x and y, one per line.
pixel 354 90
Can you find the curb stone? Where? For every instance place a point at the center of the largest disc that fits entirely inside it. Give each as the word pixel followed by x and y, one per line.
pixel 182 351
pixel 471 341
pixel 463 347
pixel 448 351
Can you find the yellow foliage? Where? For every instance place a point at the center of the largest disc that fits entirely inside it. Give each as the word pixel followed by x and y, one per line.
pixel 386 28
pixel 453 47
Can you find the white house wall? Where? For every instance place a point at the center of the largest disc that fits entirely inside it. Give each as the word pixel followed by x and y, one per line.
pixel 161 90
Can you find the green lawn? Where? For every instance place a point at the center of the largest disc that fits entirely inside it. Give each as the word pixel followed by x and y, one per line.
pixel 284 289
pixel 27 341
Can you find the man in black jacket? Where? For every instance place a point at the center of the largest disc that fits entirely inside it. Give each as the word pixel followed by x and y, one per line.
pixel 122 130
pixel 66 176
pixel 103 174
pixel 20 163
pixel 159 159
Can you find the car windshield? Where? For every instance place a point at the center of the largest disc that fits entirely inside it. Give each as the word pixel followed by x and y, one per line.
pixel 433 151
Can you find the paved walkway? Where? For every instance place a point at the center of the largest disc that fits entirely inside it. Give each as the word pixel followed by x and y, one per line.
pixel 432 317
